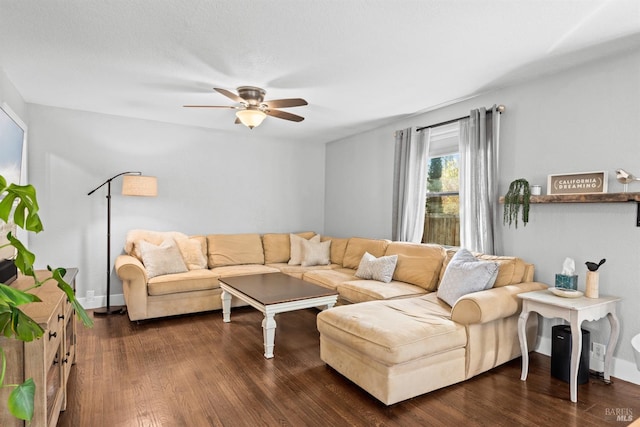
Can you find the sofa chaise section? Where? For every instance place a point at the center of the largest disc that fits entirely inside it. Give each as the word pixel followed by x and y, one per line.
pixel 382 345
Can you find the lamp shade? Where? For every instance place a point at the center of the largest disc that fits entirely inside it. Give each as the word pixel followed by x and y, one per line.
pixel 251 118
pixel 139 185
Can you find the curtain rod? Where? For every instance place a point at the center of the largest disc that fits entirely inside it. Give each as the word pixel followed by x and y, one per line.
pixel 501 108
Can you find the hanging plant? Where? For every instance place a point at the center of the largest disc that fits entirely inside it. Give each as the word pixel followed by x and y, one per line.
pixel 519 194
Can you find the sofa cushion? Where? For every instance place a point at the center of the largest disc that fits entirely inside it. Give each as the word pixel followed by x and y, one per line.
pixel 193 251
pixel 513 270
pixel 297 270
pixel 418 264
pixel 194 280
pixel 357 246
pixel 330 278
pixel 371 290
pixel 315 253
pixel 380 269
pixel 277 246
pixel 338 247
pixel 242 270
pixel 155 237
pixel 161 259
pixel 296 247
pixel 466 274
pixel 393 332
pixel 234 249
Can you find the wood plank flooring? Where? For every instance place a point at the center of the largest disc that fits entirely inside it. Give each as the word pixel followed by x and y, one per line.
pixel 199 371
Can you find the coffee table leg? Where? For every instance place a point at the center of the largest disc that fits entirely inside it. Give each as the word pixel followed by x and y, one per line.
pixel 269 333
pixel 226 306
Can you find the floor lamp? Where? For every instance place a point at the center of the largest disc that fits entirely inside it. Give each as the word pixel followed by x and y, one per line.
pixel 133 184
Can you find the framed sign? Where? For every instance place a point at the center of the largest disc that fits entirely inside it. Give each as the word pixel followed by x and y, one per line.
pixel 577 183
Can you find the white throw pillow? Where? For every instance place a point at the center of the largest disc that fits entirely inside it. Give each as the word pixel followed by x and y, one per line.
pixel 315 253
pixel 296 247
pixel 466 274
pixel 380 269
pixel 163 259
pixel 191 250
pixel 155 237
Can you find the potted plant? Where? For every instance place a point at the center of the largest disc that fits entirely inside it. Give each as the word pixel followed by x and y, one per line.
pixel 18 204
pixel 519 194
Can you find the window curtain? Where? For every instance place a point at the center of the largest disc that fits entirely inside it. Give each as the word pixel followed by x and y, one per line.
pixel 410 184
pixel 479 141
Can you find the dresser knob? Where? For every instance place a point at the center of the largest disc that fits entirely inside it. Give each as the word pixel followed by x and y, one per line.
pixel 52 335
pixel 60 317
pixel 65 360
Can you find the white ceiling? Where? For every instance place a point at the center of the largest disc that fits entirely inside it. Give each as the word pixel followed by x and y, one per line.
pixel 358 63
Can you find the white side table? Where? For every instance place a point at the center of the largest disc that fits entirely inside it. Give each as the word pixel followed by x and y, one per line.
pixel 575 311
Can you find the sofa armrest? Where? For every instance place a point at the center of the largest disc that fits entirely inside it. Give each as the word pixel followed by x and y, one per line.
pixel 134 285
pixel 492 304
pixel 130 268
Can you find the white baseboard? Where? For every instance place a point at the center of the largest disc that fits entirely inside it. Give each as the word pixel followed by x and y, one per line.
pixel 99 302
pixel 623 369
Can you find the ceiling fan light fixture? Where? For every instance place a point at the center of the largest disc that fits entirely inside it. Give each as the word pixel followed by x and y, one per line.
pixel 251 118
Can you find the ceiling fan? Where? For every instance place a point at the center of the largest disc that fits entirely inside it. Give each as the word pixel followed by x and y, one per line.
pixel 253 109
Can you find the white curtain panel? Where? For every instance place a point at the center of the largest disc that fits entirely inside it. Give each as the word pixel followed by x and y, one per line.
pixel 479 142
pixel 410 184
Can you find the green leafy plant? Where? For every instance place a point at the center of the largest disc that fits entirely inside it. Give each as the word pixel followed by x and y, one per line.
pixel 519 194
pixel 18 204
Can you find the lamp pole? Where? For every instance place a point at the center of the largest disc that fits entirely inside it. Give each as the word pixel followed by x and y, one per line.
pixel 117 310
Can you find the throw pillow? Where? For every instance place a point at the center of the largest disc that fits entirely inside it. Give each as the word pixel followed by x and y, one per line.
pixel 163 259
pixel 466 274
pixel 380 269
pixel 315 253
pixel 296 247
pixel 191 250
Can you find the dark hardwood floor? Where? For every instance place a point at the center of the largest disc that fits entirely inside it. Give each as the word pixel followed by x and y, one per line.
pixel 198 371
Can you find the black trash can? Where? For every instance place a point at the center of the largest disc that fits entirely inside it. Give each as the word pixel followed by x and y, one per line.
pixel 561 354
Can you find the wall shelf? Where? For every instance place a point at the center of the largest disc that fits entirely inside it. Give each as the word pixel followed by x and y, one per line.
pixel 585 198
pixel 588 198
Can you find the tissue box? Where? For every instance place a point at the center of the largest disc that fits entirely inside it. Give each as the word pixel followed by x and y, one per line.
pixel 567 282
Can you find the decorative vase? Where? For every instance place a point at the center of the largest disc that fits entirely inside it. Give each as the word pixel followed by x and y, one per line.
pixel 592 284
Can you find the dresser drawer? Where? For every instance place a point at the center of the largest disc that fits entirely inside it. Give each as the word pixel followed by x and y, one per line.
pixel 54 333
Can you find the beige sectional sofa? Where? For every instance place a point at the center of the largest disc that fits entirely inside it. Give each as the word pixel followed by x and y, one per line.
pixel 396 340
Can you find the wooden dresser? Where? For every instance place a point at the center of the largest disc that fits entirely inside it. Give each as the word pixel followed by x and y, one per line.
pixel 47 360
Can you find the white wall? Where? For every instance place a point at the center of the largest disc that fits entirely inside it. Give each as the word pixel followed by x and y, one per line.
pixel 583 119
pixel 10 95
pixel 208 182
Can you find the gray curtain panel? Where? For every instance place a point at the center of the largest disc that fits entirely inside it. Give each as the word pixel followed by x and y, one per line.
pixel 409 184
pixel 479 142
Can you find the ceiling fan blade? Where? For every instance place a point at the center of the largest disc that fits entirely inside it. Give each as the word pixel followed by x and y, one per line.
pixel 230 95
pixel 211 106
pixel 284 115
pixel 284 103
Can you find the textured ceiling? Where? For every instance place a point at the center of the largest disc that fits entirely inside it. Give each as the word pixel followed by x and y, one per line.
pixel 358 63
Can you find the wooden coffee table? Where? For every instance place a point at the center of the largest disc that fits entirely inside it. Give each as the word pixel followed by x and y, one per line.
pixel 273 293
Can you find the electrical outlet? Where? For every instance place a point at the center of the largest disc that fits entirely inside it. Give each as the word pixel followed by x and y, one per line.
pixel 598 351
pixel 90 296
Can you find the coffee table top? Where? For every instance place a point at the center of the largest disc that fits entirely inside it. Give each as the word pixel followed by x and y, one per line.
pixel 275 288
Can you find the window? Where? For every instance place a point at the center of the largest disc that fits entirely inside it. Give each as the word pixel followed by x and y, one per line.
pixel 442 213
